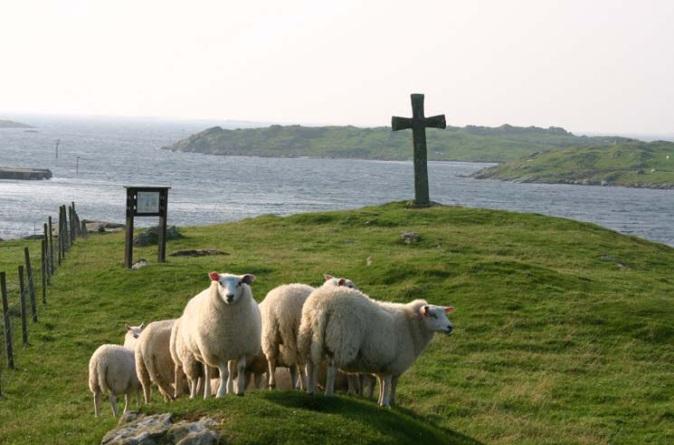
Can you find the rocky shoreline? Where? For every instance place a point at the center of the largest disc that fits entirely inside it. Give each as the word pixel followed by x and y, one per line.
pixel 25 173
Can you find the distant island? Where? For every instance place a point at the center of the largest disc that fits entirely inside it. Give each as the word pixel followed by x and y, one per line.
pixel 629 164
pixel 470 143
pixel 12 124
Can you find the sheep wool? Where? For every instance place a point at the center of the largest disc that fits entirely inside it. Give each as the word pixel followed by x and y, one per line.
pixel 358 334
pixel 112 371
pixel 153 359
pixel 221 326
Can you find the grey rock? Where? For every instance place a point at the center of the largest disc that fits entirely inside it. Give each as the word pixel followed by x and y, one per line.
pixel 137 429
pixel 140 264
pixel 410 237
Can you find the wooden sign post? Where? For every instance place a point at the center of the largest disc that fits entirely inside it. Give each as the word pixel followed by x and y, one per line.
pixel 418 123
pixel 145 201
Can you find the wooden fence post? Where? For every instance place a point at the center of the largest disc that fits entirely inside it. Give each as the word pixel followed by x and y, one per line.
pixel 31 282
pixel 60 236
pixel 8 322
pixel 50 247
pixel 22 306
pixel 44 277
pixel 46 239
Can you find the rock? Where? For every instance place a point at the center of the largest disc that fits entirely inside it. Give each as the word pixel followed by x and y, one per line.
pixel 102 226
pixel 140 264
pixel 410 237
pixel 198 252
pixel 151 236
pixel 158 429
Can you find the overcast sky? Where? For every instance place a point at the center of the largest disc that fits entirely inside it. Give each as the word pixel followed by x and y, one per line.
pixel 599 65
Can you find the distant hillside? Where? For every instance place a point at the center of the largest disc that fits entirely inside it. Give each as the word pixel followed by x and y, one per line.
pixel 630 164
pixel 471 143
pixel 12 124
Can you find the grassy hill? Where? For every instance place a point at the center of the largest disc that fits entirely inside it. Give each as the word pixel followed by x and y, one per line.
pixel 563 330
pixel 12 124
pixel 633 164
pixel 469 143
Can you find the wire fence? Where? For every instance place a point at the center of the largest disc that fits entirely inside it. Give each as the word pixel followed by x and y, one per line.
pixel 20 297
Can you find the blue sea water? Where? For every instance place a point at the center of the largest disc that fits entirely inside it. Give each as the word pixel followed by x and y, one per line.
pixel 98 157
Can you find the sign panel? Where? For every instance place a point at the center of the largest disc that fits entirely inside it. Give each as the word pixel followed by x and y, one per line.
pixel 147 202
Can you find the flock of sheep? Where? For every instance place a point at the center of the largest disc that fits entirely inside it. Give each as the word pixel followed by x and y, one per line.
pixel 224 336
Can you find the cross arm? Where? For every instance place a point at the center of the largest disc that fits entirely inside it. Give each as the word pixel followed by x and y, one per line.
pixel 400 123
pixel 436 121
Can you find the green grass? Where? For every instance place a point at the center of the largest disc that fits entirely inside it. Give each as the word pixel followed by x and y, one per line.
pixel 635 164
pixel 564 331
pixel 470 143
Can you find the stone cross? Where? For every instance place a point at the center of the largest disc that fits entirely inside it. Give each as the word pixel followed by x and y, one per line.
pixel 418 124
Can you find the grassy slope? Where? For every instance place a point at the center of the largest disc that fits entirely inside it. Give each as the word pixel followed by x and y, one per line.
pixel 629 164
pixel 456 144
pixel 563 330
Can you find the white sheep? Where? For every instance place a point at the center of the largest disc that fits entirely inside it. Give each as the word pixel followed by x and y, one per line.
pixel 153 359
pixel 281 312
pixel 112 370
pixel 185 364
pixel 221 327
pixel 358 334
pixel 132 334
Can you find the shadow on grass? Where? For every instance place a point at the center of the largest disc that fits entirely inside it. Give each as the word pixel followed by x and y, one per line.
pixel 400 424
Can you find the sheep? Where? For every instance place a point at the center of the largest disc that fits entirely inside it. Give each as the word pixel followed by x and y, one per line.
pixel 112 370
pixel 153 359
pixel 185 364
pixel 221 327
pixel 281 311
pixel 358 334
pixel 132 334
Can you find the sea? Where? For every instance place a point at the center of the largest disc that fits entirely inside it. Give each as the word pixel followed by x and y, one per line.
pixel 93 159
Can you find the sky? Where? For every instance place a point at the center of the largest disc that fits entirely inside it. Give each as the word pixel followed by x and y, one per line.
pixel 595 66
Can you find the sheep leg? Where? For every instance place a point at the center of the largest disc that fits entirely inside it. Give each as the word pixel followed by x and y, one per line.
pixel 293 377
pixel 113 403
pixel 225 375
pixel 241 381
pixel 312 377
pixel 380 380
pixel 394 385
pixel 271 371
pixel 386 391
pixel 303 377
pixel 330 379
pixel 207 382
pixel 353 383
pixel 231 372
pixel 126 403
pixel 144 378
pixel 97 403
pixel 178 381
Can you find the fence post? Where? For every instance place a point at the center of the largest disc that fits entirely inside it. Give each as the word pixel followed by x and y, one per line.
pixel 8 322
pixel 50 250
pixel 71 219
pixel 31 282
pixel 46 238
pixel 22 306
pixel 60 236
pixel 44 277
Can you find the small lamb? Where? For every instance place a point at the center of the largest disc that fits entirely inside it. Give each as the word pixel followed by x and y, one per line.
pixel 132 334
pixel 221 327
pixel 358 334
pixel 112 370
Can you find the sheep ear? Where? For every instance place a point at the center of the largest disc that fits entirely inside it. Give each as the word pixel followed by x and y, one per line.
pixel 425 310
pixel 141 326
pixel 342 282
pixel 214 276
pixel 449 309
pixel 327 277
pixel 248 278
pixel 128 328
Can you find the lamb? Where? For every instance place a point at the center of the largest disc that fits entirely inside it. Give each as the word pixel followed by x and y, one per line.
pixel 221 327
pixel 132 334
pixel 358 334
pixel 153 359
pixel 281 311
pixel 112 370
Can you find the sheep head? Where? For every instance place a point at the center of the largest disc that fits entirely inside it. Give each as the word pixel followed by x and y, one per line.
pixel 231 287
pixel 435 318
pixel 338 281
